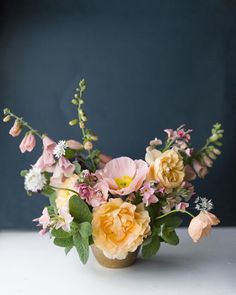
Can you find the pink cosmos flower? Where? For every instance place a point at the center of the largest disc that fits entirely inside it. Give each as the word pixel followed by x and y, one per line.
pixel 148 194
pixel 28 143
pixel 46 161
pixel 15 129
pixel 124 175
pixel 63 168
pixel 99 194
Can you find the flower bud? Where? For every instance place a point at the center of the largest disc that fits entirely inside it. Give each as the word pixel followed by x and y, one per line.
pixel 213 138
pixel 15 129
pixel 73 122
pixel 76 95
pixel 84 118
pixel 88 146
pixel 81 125
pixel 74 101
pixel 6 111
pixel 216 151
pixel 81 101
pixel 7 119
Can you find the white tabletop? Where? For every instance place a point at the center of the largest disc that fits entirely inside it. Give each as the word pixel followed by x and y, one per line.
pixel 30 264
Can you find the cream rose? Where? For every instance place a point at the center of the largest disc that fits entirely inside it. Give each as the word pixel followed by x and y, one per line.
pixel 119 227
pixel 167 168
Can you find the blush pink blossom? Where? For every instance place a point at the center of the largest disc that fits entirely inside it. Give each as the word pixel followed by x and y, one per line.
pixel 63 169
pixel 99 194
pixel 83 190
pixel 74 145
pixel 124 175
pixel 44 221
pixel 15 129
pixel 148 194
pixel 199 169
pixel 182 206
pixel 28 143
pixel 46 161
pixel 189 173
pixel 64 220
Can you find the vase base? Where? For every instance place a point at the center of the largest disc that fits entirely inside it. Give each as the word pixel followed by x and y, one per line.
pixel 114 263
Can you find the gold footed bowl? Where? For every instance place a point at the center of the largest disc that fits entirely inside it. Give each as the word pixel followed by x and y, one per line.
pixel 114 263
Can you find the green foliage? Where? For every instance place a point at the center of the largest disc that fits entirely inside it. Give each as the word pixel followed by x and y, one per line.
pixel 67 249
pixel 85 229
pixel 82 247
pixel 151 246
pixel 79 209
pixel 24 173
pixel 67 242
pixel 153 210
pixel 70 154
pixel 77 167
pixel 60 233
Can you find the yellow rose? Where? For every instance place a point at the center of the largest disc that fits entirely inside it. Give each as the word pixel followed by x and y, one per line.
pixel 119 227
pixel 167 168
pixel 63 196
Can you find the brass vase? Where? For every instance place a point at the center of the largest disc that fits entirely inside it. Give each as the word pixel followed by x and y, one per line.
pixel 114 263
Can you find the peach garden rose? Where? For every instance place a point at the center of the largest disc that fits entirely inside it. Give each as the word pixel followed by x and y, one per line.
pixel 167 167
pixel 119 227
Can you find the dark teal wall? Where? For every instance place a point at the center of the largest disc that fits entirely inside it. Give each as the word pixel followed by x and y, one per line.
pixel 149 65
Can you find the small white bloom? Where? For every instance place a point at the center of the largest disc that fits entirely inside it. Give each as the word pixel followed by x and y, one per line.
pixel 34 180
pixel 203 204
pixel 60 149
pixel 64 220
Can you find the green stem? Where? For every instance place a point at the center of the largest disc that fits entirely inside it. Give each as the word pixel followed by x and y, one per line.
pixel 175 211
pixel 24 124
pixel 63 188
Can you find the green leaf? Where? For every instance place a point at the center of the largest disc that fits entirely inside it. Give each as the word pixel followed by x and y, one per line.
pixel 170 237
pixel 67 249
pixel 47 191
pixel 23 173
pixel 169 221
pixel 70 153
pixel 64 242
pixel 150 249
pixel 79 209
pixel 82 247
pixel 85 229
pixel 77 167
pixel 60 233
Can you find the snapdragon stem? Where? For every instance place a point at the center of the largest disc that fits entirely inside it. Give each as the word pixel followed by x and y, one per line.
pixel 175 211
pixel 24 124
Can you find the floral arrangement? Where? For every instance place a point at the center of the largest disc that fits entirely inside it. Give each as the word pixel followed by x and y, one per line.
pixel 117 204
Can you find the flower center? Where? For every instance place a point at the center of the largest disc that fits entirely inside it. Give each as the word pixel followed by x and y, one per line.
pixel 124 181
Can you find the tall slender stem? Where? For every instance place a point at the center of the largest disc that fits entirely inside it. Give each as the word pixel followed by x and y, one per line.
pixel 175 211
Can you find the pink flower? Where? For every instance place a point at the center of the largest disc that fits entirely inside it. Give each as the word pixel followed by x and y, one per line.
pixel 43 221
pixel 64 220
pixel 74 145
pixel 182 206
pixel 171 133
pixel 189 173
pixel 15 129
pixel 46 161
pixel 83 190
pixel 148 194
pixel 199 169
pixel 99 194
pixel 200 226
pixel 28 143
pixel 123 175
pixel 63 168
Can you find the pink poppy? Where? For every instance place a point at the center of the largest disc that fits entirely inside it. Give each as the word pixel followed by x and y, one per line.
pixel 124 175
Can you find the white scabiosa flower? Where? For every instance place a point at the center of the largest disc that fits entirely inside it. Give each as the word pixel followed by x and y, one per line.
pixel 34 180
pixel 60 149
pixel 203 204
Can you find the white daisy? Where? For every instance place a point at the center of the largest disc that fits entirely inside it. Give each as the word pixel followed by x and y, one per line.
pixel 34 180
pixel 60 149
